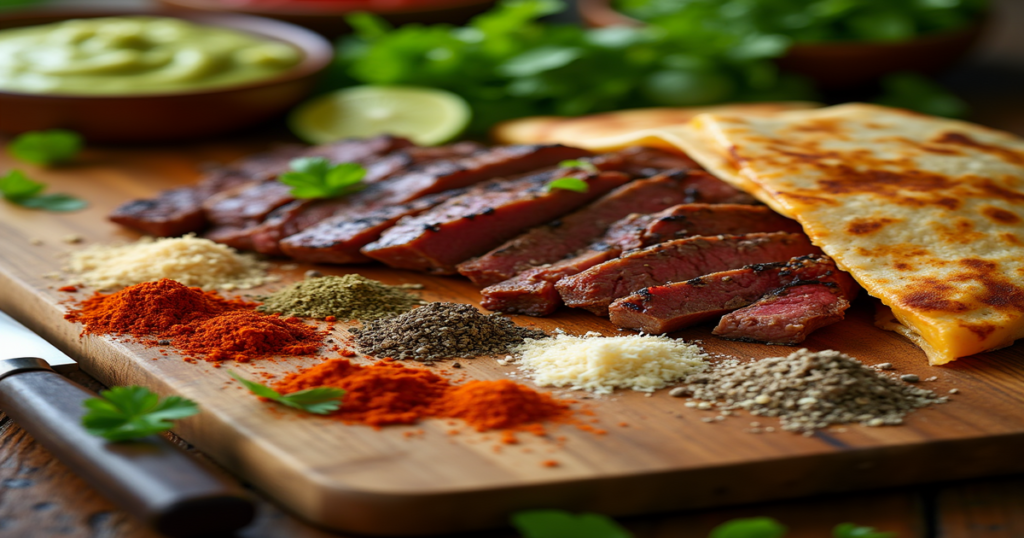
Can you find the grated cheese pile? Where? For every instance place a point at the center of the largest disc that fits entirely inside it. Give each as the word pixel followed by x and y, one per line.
pixel 189 260
pixel 601 364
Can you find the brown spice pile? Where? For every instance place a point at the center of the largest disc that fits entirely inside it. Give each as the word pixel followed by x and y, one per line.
pixel 441 331
pixel 808 391
pixel 342 297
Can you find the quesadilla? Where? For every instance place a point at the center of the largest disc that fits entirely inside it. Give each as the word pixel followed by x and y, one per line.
pixel 927 214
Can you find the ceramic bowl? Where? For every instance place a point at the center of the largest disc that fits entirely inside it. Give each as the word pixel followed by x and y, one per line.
pixel 839 65
pixel 175 116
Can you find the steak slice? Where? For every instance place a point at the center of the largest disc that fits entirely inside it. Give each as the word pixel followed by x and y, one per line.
pixel 667 308
pixel 556 240
pixel 340 240
pixel 475 222
pixel 786 315
pixel 172 212
pixel 714 219
pixel 676 261
pixel 431 178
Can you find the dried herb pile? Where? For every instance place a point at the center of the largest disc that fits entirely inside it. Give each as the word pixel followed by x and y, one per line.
pixel 343 297
pixel 441 331
pixel 808 391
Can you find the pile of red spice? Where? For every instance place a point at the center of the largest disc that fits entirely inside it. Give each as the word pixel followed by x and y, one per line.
pixel 390 393
pixel 196 322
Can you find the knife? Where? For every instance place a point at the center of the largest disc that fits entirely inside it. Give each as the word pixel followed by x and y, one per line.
pixel 150 478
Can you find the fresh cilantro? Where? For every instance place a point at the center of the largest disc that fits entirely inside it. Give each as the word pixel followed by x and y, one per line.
pixel 319 400
pixel 849 530
pixel 124 413
pixel 561 524
pixel 568 184
pixel 316 177
pixel 18 189
pixel 46 147
pixel 580 164
pixel 755 527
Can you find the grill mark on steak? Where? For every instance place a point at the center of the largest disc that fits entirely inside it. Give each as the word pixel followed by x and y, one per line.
pixel 172 212
pixel 678 260
pixel 788 314
pixel 433 178
pixel 437 240
pixel 557 239
pixel 670 307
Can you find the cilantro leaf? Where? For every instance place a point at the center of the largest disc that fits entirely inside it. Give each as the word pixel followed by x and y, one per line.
pixel 561 524
pixel 124 413
pixel 755 527
pixel 16 186
pixel 316 177
pixel 319 400
pixel 586 166
pixel 53 146
pixel 18 189
pixel 849 530
pixel 569 184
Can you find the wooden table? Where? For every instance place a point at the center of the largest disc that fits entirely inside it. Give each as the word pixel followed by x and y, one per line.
pixel 39 497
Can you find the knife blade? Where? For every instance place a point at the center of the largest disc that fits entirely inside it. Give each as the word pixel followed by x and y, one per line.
pixel 150 478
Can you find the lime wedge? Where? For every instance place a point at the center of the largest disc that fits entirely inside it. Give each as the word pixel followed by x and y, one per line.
pixel 424 115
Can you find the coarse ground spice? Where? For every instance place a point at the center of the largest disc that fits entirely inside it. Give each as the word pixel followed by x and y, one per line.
pixel 808 391
pixel 441 331
pixel 244 335
pixel 148 308
pixel 343 297
pixel 388 392
pixel 190 260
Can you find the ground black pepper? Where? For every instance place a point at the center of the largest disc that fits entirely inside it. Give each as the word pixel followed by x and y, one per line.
pixel 441 331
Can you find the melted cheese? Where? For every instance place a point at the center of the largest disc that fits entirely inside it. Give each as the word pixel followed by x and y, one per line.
pixel 926 213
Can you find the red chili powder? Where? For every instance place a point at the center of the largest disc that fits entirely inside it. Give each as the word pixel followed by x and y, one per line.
pixel 243 335
pixel 390 393
pixel 149 308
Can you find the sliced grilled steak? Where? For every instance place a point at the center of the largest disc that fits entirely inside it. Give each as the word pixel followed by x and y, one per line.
pixel 676 261
pixel 431 178
pixel 786 315
pixel 172 212
pixel 662 309
pixel 340 240
pixel 714 219
pixel 475 222
pixel 646 162
pixel 555 240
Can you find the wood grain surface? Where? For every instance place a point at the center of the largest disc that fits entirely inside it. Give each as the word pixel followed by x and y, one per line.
pixel 353 478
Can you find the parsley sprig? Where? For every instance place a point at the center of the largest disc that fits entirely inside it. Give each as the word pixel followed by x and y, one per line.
pixel 319 400
pixel 316 177
pixel 568 184
pixel 18 189
pixel 124 413
pixel 53 146
pixel 562 524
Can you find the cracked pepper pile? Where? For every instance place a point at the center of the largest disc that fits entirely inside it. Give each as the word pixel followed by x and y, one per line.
pixel 808 391
pixel 441 331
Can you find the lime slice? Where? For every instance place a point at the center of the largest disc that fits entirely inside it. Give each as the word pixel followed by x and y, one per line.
pixel 424 115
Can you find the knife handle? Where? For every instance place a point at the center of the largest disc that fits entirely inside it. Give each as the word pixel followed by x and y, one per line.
pixel 151 478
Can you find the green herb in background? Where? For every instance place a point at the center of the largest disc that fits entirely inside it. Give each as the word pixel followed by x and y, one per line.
pixel 755 527
pixel 919 93
pixel 45 148
pixel 18 189
pixel 316 177
pixel 580 164
pixel 849 530
pixel 568 184
pixel 124 413
pixel 562 524
pixel 319 401
pixel 507 63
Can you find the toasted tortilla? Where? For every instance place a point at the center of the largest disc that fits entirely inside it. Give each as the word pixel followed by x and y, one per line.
pixel 580 130
pixel 926 213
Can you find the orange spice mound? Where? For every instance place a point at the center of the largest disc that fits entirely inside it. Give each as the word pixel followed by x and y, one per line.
pixel 149 307
pixel 243 335
pixel 390 393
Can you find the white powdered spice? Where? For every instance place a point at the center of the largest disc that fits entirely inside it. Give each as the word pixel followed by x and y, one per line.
pixel 601 364
pixel 189 260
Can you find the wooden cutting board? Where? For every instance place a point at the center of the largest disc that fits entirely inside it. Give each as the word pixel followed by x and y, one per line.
pixel 657 455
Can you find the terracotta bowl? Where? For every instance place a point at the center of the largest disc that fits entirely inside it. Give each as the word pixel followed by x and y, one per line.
pixel 168 116
pixel 839 65
pixel 328 18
